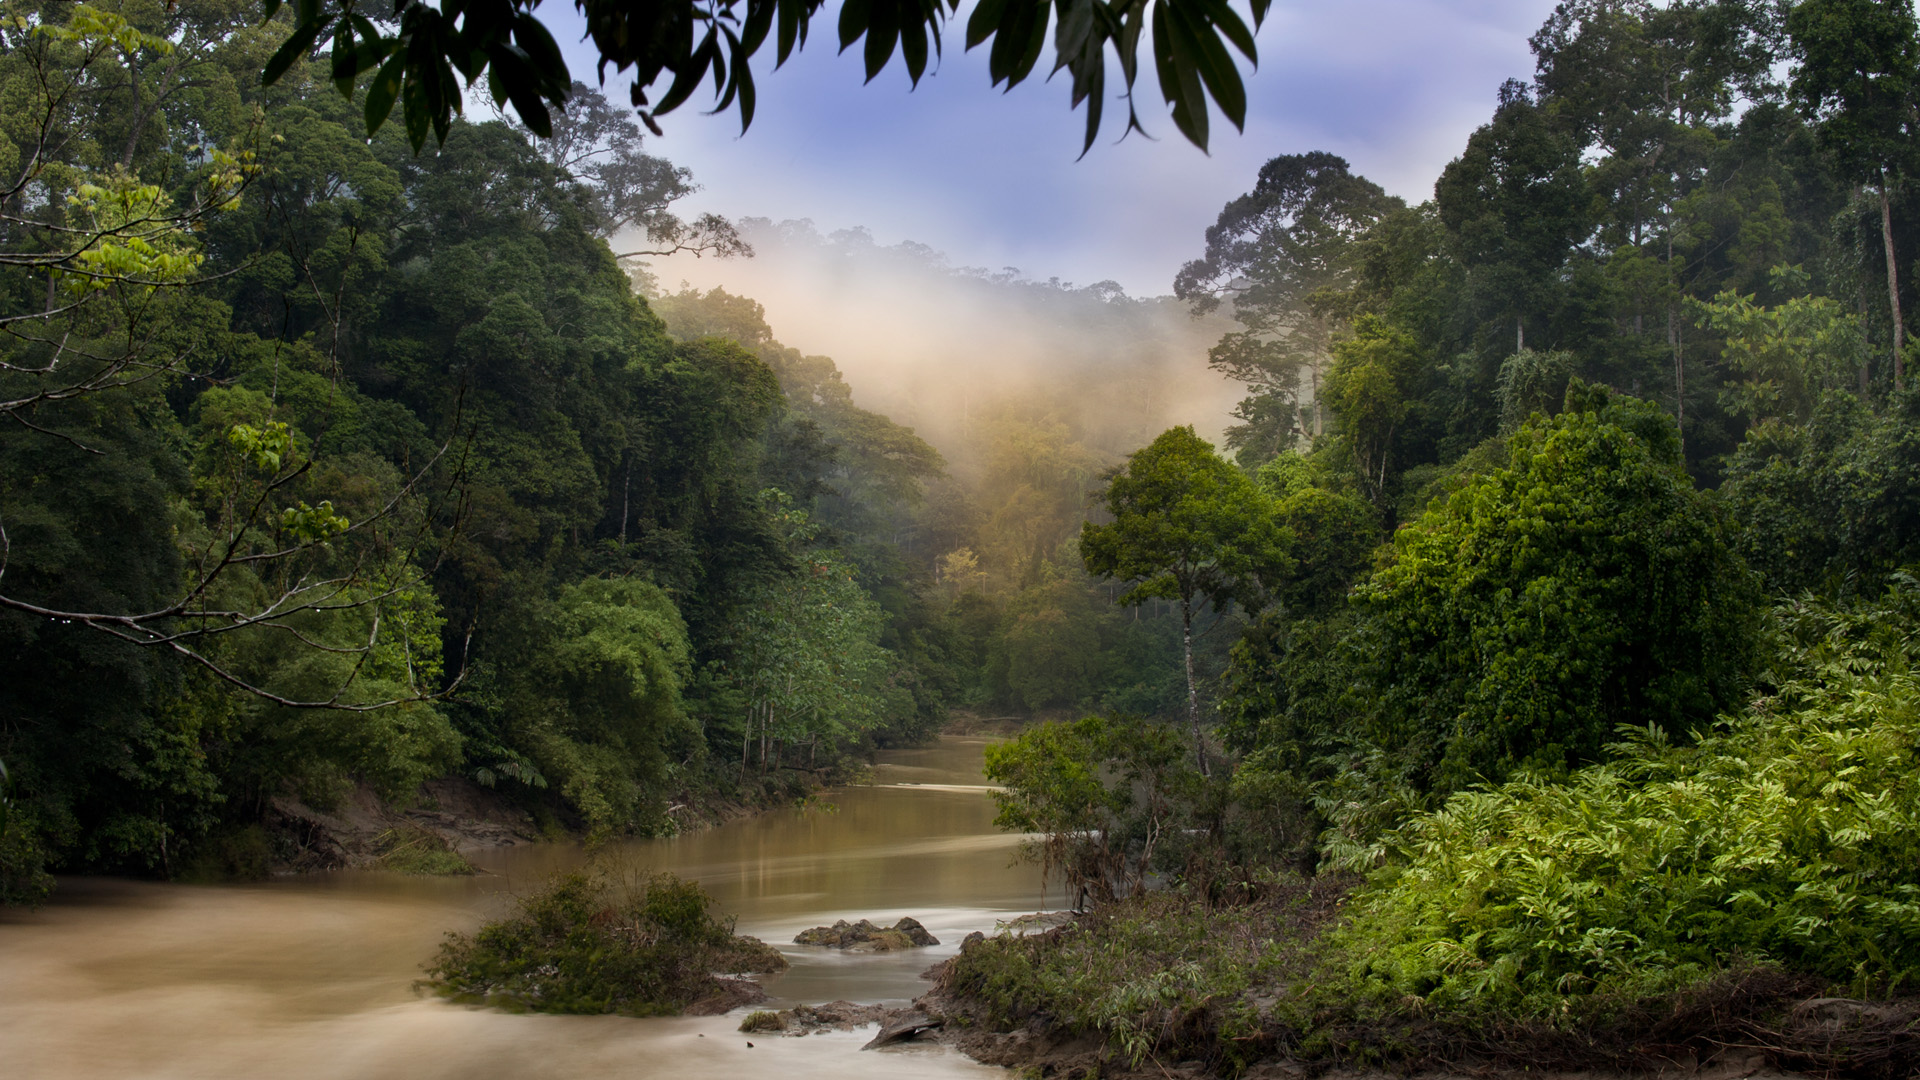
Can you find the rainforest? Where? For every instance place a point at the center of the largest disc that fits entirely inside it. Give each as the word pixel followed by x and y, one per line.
pixel 1474 631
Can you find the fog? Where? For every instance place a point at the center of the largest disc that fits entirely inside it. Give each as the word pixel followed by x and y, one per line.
pixel 942 348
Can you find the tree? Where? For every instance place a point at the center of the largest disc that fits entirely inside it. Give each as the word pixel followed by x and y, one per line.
pixel 1584 586
pixel 1187 527
pixel 806 648
pixel 1516 205
pixel 1278 253
pixel 1858 76
pixel 1105 793
pixel 120 262
pixel 1788 355
pixel 599 144
pixel 1370 391
pixel 1651 86
pixel 415 66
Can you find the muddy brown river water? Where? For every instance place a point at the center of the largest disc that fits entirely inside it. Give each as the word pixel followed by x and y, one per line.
pixel 312 976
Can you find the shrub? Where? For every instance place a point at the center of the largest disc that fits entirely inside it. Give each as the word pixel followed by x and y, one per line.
pixel 1105 793
pixel 600 943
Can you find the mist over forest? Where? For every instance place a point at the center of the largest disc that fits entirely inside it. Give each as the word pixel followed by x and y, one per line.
pixel 933 345
pixel 1465 633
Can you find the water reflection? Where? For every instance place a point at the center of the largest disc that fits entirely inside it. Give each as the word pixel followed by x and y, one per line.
pixel 312 976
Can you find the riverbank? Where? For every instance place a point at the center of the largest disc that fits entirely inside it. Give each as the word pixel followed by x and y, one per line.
pixel 459 816
pixel 1169 985
pixel 312 976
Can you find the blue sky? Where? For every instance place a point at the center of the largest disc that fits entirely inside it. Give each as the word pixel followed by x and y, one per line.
pixel 1395 86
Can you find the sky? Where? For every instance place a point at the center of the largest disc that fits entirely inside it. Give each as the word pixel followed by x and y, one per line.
pixel 990 178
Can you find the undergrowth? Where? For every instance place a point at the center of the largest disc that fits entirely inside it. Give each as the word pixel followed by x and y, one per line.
pixel 600 942
pixel 1755 892
pixel 1790 837
pixel 1162 974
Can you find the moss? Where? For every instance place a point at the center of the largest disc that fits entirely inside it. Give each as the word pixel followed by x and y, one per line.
pixel 600 942
pixel 763 1021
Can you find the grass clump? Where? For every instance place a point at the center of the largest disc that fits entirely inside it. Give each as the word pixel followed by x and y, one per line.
pixel 409 849
pixel 598 942
pixel 762 1021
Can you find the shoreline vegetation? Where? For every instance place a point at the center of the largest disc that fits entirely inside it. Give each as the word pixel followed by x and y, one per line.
pixel 1527 682
pixel 606 941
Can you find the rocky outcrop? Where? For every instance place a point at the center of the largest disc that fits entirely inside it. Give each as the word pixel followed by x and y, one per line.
pixel 865 936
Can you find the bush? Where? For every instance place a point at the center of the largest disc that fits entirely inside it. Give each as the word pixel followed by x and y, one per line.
pixel 1161 973
pixel 1584 585
pixel 1789 836
pixel 1106 793
pixel 600 943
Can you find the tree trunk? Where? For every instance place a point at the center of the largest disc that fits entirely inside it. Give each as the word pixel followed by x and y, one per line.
pixel 1519 335
pixel 1193 693
pixel 1893 286
pixel 1866 340
pixel 1673 342
pixel 626 489
pixel 1679 375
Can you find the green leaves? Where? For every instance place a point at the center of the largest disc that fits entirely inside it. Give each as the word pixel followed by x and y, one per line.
pixel 1583 586
pixel 1092 789
pixel 1186 525
pixel 689 43
pixel 1788 835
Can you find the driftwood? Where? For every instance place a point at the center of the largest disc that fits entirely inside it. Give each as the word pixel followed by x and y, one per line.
pixel 904 1027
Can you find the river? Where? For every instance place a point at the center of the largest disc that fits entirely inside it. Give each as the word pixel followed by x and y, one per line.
pixel 312 976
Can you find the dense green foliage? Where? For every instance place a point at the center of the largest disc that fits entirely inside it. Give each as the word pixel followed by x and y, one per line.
pixel 1582 586
pixel 1542 449
pixel 1104 793
pixel 598 943
pixel 366 468
pixel 1187 527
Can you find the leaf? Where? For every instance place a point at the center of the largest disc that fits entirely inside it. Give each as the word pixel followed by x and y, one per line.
pixel 383 91
pixel 883 31
pixel 744 75
pixel 793 22
pixel 1215 65
pixel 414 111
pixel 985 21
pixel 913 49
pixel 293 49
pixel 854 16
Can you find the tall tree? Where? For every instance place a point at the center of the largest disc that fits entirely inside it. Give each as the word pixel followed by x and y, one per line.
pixel 1188 527
pixel 1650 87
pixel 1277 253
pixel 1857 75
pixel 600 145
pixel 1516 206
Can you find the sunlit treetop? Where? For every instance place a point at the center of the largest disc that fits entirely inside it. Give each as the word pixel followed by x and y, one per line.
pixel 420 53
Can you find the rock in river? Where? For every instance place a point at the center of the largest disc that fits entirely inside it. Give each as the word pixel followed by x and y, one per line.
pixel 864 936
